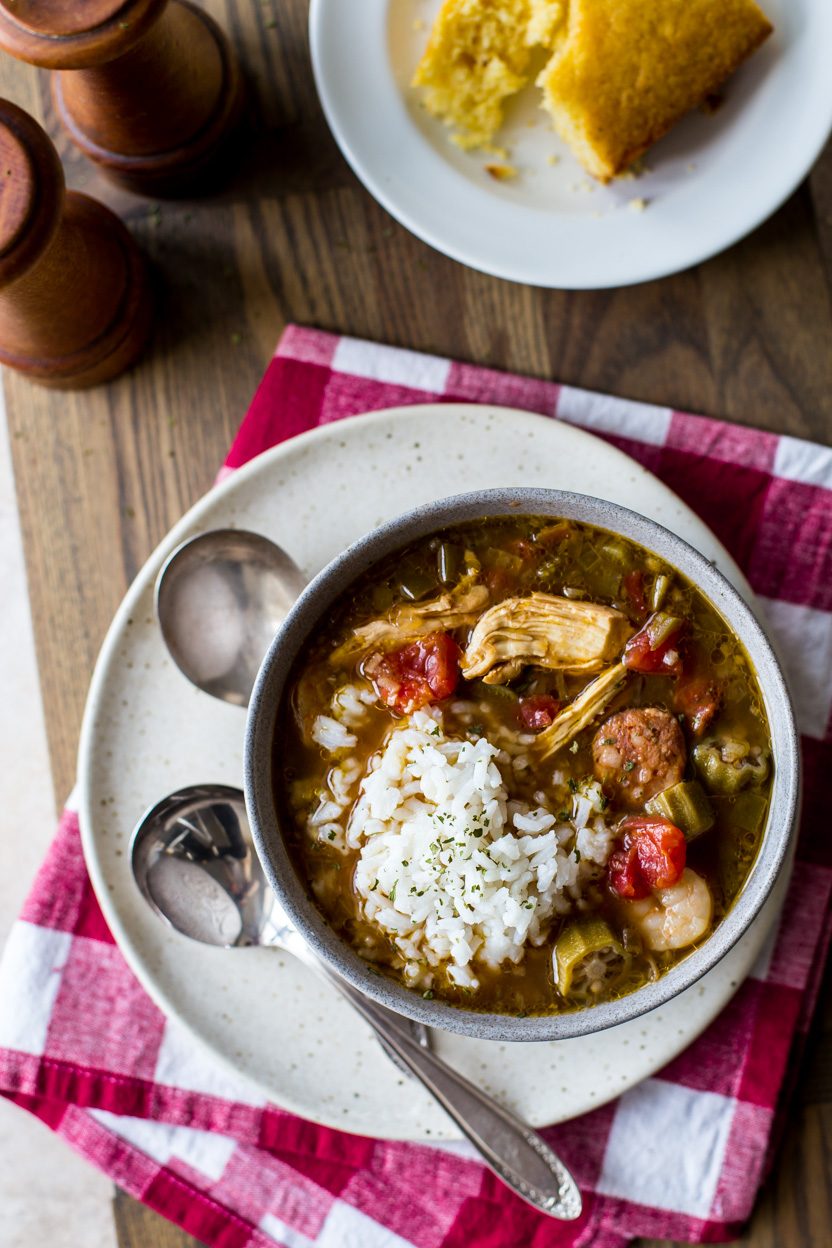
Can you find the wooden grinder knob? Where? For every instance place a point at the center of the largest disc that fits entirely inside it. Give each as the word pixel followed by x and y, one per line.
pixel 75 303
pixel 148 89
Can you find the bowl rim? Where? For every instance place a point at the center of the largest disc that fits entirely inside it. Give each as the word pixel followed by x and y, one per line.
pixel 301 621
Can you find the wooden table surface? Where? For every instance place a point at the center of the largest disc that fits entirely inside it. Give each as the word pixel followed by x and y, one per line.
pixel 102 475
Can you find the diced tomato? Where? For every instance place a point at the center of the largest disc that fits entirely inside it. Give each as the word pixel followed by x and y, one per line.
pixel 634 588
pixel 697 697
pixel 498 581
pixel 524 549
pixel 625 876
pixel 665 660
pixel 424 672
pixel 653 855
pixel 538 711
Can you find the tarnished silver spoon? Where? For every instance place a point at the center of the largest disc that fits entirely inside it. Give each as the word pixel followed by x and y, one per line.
pixel 193 859
pixel 220 599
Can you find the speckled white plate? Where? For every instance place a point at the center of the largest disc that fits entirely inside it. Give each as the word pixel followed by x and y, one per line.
pixel 147 731
pixel 711 180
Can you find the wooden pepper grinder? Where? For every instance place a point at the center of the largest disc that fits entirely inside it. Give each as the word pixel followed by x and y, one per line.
pixel 75 302
pixel 148 89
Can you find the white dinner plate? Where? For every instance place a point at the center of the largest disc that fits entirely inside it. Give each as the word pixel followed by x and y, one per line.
pixel 147 731
pixel 711 180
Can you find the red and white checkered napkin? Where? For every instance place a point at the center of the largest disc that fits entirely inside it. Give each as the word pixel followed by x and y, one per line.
pixel 681 1156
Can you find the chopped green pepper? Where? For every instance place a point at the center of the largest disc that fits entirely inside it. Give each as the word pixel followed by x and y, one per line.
pixel 686 805
pixel 415 583
pixel 660 627
pixel 748 812
pixel 728 767
pixel 500 692
pixel 658 591
pixel 449 560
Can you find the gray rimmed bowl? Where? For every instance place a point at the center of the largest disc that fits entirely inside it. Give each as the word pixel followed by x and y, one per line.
pixel 302 622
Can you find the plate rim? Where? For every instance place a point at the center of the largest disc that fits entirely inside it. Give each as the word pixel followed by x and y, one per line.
pixel 264 464
pixel 805 155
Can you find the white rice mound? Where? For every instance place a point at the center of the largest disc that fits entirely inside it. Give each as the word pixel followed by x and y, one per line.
pixel 450 868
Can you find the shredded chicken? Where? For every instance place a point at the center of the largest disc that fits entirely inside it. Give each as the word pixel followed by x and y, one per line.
pixel 580 713
pixel 551 632
pixel 451 610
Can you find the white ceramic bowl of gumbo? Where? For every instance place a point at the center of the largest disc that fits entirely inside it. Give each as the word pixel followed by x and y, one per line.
pixel 303 621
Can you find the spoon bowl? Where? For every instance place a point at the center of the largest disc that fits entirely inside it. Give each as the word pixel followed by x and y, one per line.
pixel 193 859
pixel 220 599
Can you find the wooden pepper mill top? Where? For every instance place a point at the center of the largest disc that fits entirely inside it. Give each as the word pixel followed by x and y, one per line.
pixel 75 304
pixel 66 34
pixel 31 193
pixel 148 89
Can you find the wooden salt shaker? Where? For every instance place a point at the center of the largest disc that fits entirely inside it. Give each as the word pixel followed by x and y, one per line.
pixel 148 89
pixel 75 302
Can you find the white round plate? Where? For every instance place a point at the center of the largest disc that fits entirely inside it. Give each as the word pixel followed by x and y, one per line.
pixel 147 731
pixel 711 180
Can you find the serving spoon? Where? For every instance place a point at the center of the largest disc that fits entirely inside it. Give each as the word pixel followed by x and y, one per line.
pixel 220 599
pixel 193 859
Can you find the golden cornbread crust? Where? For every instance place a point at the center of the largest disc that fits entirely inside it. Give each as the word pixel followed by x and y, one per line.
pixel 625 71
pixel 477 56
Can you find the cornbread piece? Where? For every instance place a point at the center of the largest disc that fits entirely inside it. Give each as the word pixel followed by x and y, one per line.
pixel 625 71
pixel 477 57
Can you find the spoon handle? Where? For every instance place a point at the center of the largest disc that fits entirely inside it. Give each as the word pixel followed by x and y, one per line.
pixel 511 1148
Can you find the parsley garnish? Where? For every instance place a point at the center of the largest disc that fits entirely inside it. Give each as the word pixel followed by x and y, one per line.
pixel 629 766
pixel 392 893
pixel 577 855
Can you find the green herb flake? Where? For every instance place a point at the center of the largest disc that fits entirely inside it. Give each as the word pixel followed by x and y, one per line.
pixel 573 749
pixel 392 893
pixel 428 995
pixel 629 765
pixel 577 855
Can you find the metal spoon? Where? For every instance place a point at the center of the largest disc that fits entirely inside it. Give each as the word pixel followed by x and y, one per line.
pixel 193 859
pixel 220 599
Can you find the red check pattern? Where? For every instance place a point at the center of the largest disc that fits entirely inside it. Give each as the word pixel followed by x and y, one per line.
pixel 682 1155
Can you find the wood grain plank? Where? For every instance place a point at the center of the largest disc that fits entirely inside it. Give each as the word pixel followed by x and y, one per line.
pixel 139 1227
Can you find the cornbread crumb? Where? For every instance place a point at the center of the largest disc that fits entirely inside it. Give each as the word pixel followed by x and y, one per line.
pixel 501 173
pixel 553 160
pixel 637 205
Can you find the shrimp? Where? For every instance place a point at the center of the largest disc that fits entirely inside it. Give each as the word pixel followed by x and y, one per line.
pixel 671 918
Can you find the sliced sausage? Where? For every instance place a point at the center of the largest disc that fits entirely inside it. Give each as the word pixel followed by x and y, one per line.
pixel 639 753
